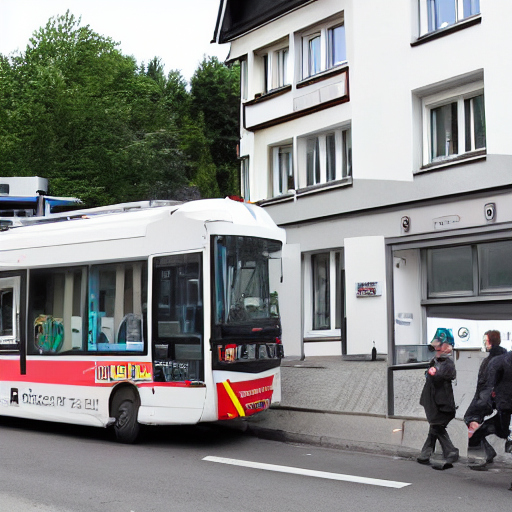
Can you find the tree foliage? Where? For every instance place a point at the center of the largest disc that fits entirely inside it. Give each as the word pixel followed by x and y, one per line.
pixel 77 111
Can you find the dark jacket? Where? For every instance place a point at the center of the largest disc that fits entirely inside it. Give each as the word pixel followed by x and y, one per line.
pixel 482 403
pixel 500 373
pixel 437 395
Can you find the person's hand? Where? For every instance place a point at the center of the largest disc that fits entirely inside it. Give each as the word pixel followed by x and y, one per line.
pixel 432 370
pixel 472 427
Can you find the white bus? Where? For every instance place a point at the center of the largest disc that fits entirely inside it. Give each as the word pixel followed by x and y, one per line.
pixel 137 315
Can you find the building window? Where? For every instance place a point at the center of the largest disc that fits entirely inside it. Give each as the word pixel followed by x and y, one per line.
pixel 336 50
pixel 450 271
pixel 326 157
pixel 244 79
pixel 469 270
pixel 325 293
pixel 455 123
pixel 495 267
pixel 313 55
pixel 281 67
pixel 440 14
pixel 244 168
pixel 323 47
pixel 274 61
pixel 443 13
pixel 282 170
pixel 313 161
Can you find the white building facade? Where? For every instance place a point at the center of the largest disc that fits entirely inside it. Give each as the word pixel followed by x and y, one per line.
pixel 376 134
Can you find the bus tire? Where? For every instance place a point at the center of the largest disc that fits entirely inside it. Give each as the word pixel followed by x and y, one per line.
pixel 125 408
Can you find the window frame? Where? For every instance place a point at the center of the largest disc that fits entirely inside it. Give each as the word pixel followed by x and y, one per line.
pixel 425 18
pixel 342 137
pixel 10 342
pixel 275 64
pixel 244 178
pixel 336 295
pixel 279 184
pixel 479 288
pixel 456 95
pixel 325 62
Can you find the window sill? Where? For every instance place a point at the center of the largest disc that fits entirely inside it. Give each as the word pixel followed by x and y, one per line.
pixel 314 189
pixel 323 75
pixel 319 339
pixel 269 95
pixel 466 158
pixel 460 25
pixel 322 187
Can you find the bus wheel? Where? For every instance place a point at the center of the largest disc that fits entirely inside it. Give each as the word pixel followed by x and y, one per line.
pixel 125 407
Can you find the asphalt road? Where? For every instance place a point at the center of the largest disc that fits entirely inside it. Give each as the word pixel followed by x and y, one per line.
pixel 48 467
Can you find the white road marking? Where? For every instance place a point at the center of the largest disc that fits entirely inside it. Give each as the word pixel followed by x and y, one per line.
pixel 308 472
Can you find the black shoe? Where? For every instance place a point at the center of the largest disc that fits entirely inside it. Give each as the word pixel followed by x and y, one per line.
pixel 452 457
pixel 441 466
pixel 508 446
pixel 421 460
pixel 478 467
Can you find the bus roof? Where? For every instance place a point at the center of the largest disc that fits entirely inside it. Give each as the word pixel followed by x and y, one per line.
pixel 128 231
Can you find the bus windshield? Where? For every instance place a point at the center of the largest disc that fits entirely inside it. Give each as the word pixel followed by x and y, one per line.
pixel 242 290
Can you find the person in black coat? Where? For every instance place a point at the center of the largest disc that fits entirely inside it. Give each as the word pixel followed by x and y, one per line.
pixel 499 395
pixel 438 401
pixel 482 404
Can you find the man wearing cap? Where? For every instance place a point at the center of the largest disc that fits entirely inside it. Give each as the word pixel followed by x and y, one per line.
pixel 438 401
pixel 482 403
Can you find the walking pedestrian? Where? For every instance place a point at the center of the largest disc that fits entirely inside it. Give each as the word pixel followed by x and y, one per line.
pixel 500 399
pixel 482 404
pixel 438 401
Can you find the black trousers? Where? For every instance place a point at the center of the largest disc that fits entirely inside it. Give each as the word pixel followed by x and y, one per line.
pixel 438 433
pixel 498 425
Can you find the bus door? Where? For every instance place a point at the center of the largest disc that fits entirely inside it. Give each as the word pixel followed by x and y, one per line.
pixel 12 325
pixel 178 338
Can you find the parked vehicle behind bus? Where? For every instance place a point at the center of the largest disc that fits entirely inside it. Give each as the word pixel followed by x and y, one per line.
pixel 140 314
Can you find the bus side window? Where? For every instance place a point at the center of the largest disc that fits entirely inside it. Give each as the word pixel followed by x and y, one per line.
pixel 56 310
pixel 117 293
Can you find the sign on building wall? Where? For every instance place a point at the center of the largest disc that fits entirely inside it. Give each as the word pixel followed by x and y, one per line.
pixel 368 289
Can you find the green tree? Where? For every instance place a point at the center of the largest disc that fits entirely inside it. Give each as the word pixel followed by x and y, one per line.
pixel 215 102
pixel 75 110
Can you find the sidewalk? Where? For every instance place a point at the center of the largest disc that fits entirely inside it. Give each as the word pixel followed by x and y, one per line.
pixel 329 402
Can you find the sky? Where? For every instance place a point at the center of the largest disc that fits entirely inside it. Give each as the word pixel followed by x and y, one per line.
pixel 177 31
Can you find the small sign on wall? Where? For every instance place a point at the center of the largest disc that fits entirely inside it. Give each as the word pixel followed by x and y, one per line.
pixel 368 289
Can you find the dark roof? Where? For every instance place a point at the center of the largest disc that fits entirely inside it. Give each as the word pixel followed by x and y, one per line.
pixel 236 17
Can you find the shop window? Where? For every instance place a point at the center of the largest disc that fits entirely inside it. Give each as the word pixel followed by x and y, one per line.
pixel 117 300
pixel 56 311
pixel 495 267
pixel 450 271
